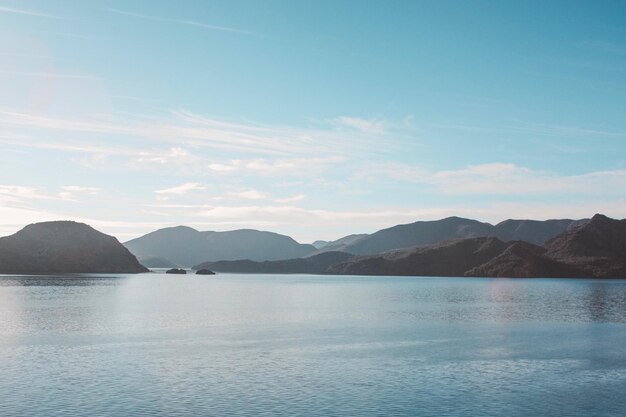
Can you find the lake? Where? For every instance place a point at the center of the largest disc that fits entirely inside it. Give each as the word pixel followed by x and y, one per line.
pixel 301 345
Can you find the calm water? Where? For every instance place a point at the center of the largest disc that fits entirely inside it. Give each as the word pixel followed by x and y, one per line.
pixel 311 346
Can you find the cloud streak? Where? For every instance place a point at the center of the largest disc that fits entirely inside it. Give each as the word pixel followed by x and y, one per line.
pixel 4 9
pixel 183 128
pixel 501 179
pixel 181 22
pixel 182 189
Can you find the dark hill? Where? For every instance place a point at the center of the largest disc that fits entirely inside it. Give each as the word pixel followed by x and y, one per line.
pixel 597 246
pixel 64 247
pixel 186 246
pixel 451 258
pixel 316 264
pixel 524 260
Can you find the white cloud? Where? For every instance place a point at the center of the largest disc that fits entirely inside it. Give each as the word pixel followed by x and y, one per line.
pixel 292 199
pixel 182 189
pixel 501 179
pixel 81 189
pixel 182 129
pixel 248 194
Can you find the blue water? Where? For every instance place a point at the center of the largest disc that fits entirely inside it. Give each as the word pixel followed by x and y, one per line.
pixel 261 345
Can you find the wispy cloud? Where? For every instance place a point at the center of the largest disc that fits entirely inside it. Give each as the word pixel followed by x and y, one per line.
pixel 182 189
pixel 183 128
pixel 181 22
pixel 248 194
pixel 376 127
pixel 292 199
pixel 4 9
pixel 81 189
pixel 501 179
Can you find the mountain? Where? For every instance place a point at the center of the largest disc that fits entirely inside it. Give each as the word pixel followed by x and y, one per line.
pixel 319 244
pixel 340 244
pixel 418 234
pixel 316 264
pixel 64 247
pixel 186 246
pixel 156 262
pixel 423 233
pixel 597 246
pixel 533 231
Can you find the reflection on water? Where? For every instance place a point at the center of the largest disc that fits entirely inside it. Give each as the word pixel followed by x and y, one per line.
pixel 157 344
pixel 67 280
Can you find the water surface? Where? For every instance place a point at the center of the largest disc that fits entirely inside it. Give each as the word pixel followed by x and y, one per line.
pixel 162 345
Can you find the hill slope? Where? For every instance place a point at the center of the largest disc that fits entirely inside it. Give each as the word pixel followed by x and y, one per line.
pixel 64 247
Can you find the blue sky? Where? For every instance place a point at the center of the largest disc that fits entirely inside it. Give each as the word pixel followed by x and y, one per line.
pixel 314 119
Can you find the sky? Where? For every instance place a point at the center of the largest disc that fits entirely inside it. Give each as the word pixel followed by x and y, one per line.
pixel 314 119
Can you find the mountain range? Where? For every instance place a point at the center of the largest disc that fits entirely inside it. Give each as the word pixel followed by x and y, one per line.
pixel 185 246
pixel 448 247
pixel 592 249
pixel 596 248
pixel 431 232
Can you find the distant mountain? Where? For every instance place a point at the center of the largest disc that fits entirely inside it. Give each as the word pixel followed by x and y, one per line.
pixel 316 264
pixel 156 262
pixel 597 246
pixel 319 244
pixel 424 233
pixel 342 243
pixel 186 246
pixel 534 231
pixel 418 234
pixel 64 247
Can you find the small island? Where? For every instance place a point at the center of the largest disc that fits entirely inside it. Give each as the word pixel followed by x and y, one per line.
pixel 204 271
pixel 179 271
